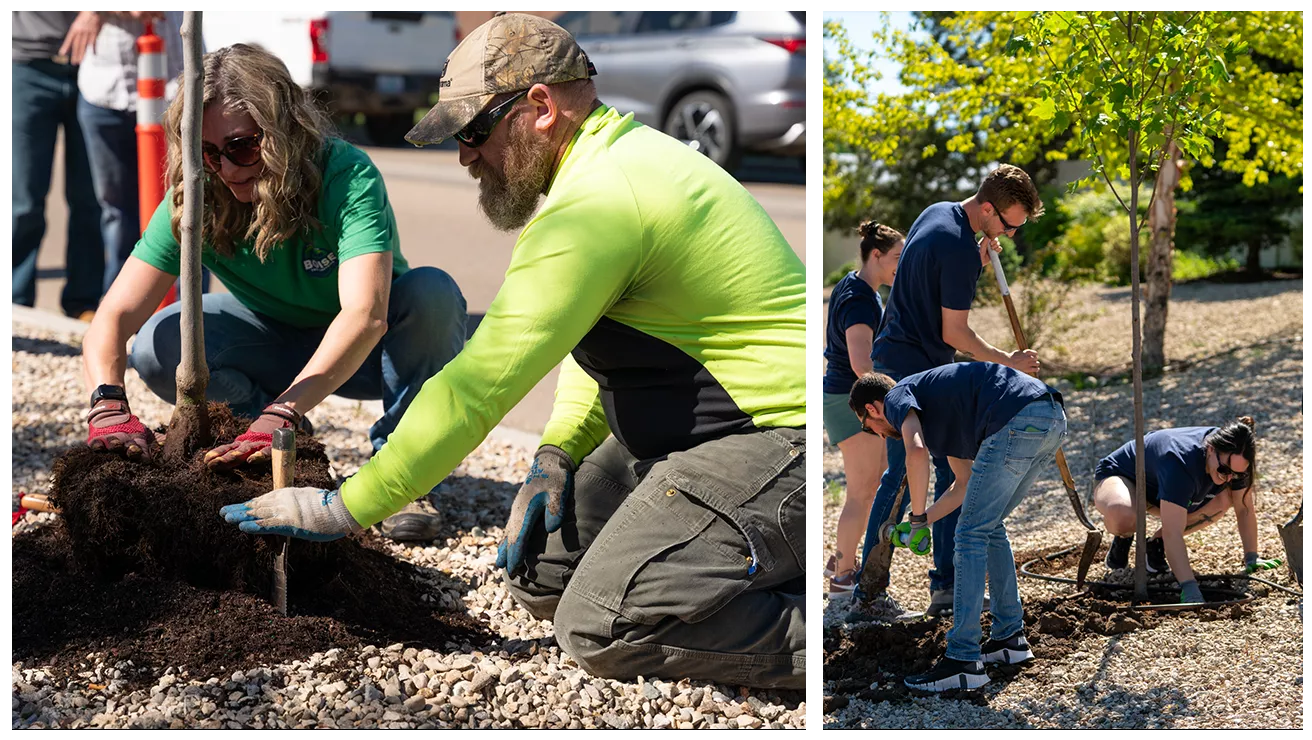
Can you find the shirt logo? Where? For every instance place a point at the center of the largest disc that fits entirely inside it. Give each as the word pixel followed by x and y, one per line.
pixel 316 261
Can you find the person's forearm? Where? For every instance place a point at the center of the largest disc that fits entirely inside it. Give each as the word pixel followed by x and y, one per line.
pixel 972 345
pixel 1177 556
pixel 949 502
pixel 918 477
pixel 104 352
pixel 345 346
pixel 1246 519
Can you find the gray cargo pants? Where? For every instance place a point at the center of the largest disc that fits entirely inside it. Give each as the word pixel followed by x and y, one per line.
pixel 688 566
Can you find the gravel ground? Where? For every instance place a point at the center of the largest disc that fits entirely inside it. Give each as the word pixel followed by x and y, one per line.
pixel 522 680
pixel 1245 673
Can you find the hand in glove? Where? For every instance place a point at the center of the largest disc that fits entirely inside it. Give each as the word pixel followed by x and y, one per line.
pixel 913 535
pixel 256 442
pixel 1253 563
pixel 1190 593
pixel 307 513
pixel 544 495
pixel 112 426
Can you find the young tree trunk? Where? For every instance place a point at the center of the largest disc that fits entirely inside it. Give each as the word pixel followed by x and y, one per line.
pixel 189 430
pixel 1140 494
pixel 1161 222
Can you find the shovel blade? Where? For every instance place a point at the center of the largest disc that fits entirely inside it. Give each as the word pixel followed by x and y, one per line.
pixel 1092 540
pixel 1292 536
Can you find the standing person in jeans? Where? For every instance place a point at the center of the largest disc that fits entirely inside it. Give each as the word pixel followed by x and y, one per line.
pixel 998 428
pixel 662 524
pixel 107 114
pixel 926 324
pixel 854 312
pixel 298 226
pixel 48 45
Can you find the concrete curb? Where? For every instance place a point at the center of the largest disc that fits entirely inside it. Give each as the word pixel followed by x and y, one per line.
pixel 48 321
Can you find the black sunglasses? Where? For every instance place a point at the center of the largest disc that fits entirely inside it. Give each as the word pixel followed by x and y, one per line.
pixel 865 428
pixel 242 151
pixel 1005 226
pixel 477 131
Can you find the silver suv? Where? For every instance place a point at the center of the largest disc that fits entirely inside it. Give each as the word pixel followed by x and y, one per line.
pixel 725 82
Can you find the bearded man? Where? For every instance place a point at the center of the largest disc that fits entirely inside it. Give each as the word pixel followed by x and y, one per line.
pixel 661 527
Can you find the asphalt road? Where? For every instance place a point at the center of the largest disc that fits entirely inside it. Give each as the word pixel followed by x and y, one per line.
pixel 436 206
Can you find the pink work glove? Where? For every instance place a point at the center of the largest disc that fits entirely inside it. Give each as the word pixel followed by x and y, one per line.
pixel 254 444
pixel 111 426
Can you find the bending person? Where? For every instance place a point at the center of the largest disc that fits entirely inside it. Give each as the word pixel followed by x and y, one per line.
pixel 298 227
pixel 1193 476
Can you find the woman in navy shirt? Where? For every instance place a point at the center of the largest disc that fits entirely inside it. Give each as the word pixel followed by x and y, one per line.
pixel 855 310
pixel 1193 476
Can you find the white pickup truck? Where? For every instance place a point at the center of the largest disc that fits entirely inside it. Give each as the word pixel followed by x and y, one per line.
pixel 382 64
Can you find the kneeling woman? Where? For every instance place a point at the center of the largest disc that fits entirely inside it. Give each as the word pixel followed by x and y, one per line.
pixel 1193 476
pixel 298 227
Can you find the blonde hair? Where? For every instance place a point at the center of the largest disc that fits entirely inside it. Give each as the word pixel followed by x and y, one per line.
pixel 249 79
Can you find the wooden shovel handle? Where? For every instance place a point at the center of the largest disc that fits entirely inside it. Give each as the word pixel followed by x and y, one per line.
pixel 37 502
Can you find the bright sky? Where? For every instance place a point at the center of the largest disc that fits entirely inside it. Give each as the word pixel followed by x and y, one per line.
pixel 860 26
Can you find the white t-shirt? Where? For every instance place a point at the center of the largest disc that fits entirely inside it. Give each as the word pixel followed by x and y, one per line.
pixel 108 75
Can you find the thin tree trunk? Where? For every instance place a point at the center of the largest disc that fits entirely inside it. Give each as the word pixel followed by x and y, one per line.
pixel 1255 256
pixel 189 430
pixel 1161 222
pixel 1140 495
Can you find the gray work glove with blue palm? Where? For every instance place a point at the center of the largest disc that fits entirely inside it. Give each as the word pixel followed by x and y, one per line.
pixel 1190 593
pixel 545 494
pixel 313 514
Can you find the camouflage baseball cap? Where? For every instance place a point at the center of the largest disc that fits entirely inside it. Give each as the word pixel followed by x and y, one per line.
pixel 510 53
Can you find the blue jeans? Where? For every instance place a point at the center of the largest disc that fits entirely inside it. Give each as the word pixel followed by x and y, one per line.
pixel 253 358
pixel 1007 464
pixel 45 98
pixel 111 141
pixel 941 575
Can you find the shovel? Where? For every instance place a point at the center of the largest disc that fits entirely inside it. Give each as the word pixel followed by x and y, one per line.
pixel 1093 537
pixel 1291 534
pixel 875 571
pixel 284 469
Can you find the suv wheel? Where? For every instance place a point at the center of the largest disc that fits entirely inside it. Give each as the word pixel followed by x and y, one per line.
pixel 704 120
pixel 389 129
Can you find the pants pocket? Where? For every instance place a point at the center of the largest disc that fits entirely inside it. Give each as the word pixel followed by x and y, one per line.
pixel 792 523
pixel 1023 446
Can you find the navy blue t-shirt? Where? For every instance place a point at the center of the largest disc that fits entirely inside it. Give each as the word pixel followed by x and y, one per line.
pixel 961 404
pixel 852 302
pixel 1175 465
pixel 939 269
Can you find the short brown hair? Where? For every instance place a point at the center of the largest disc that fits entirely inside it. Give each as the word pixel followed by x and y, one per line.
pixel 870 387
pixel 1007 186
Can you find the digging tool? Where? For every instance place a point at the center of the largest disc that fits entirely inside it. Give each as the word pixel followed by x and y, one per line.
pixel 1291 534
pixel 1093 537
pixel 875 571
pixel 36 502
pixel 284 470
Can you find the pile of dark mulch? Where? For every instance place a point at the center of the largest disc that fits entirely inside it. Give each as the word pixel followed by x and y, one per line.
pixel 141 567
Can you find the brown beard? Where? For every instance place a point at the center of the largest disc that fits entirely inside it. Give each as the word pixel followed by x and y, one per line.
pixel 509 198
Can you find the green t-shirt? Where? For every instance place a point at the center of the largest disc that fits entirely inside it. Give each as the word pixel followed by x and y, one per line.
pixel 298 283
pixel 676 304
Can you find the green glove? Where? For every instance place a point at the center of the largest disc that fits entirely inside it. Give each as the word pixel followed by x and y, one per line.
pixel 1253 563
pixel 913 535
pixel 1190 593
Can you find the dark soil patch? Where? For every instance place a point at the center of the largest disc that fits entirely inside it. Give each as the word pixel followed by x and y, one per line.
pixel 141 567
pixel 870 661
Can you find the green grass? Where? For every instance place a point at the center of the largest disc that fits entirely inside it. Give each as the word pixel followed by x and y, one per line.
pixel 834 490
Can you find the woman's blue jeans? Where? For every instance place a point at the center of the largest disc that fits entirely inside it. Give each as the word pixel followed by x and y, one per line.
pixel 253 358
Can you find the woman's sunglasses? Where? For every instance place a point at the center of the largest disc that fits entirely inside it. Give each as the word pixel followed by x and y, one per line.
pixel 242 151
pixel 476 133
pixel 1228 472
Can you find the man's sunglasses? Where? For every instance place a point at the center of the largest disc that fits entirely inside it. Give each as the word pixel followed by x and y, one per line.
pixel 1005 226
pixel 865 428
pixel 476 133
pixel 242 151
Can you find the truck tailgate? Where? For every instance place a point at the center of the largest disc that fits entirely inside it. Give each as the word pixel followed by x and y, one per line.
pixel 390 42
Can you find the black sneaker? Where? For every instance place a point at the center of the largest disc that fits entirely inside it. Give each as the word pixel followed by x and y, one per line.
pixel 1118 555
pixel 1157 556
pixel 1010 651
pixel 948 674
